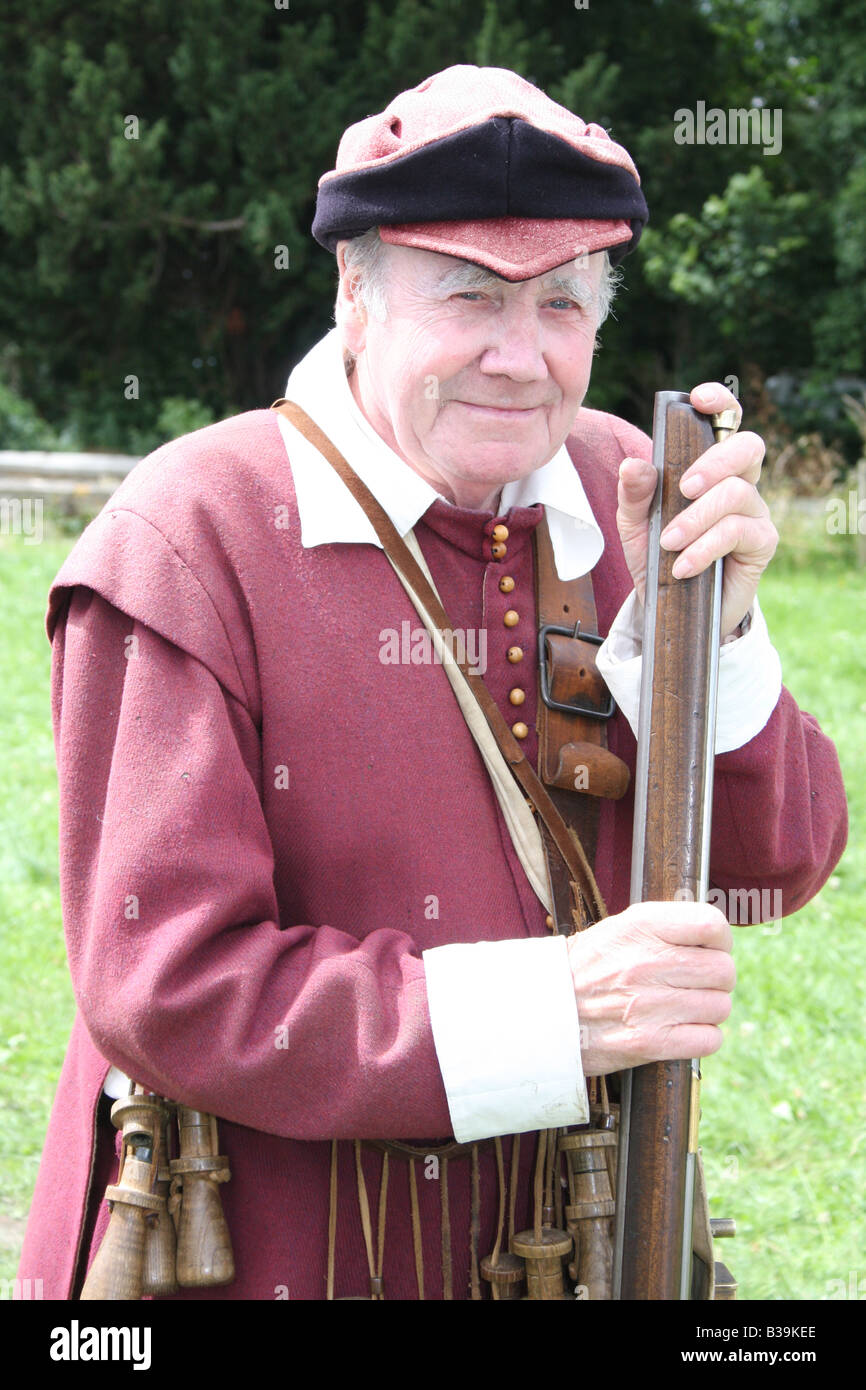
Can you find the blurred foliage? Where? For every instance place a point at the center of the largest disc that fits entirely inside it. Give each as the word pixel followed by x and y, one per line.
pixel 158 172
pixel 21 426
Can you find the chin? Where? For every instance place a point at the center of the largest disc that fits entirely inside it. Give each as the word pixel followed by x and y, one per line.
pixel 499 463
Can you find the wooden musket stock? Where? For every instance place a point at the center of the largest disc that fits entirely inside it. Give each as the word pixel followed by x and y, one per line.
pixel 670 862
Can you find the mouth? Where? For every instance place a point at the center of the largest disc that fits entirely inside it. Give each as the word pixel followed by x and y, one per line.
pixel 501 412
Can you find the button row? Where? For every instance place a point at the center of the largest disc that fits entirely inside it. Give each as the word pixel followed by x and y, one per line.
pixel 511 618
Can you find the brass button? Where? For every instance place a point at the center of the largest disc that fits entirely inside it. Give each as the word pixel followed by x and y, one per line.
pixel 517 696
pixel 500 533
pixel 514 655
pixel 512 618
pixel 498 550
pixel 506 584
pixel 549 922
pixel 520 730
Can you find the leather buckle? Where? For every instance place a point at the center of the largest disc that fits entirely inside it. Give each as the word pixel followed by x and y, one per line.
pixel 592 637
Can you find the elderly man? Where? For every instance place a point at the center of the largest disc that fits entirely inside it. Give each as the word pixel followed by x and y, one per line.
pixel 294 894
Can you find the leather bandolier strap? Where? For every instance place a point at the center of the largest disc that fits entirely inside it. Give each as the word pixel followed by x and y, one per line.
pixel 574 705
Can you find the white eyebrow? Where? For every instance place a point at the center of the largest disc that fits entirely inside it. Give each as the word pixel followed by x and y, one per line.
pixel 574 287
pixel 467 277
pixel 477 277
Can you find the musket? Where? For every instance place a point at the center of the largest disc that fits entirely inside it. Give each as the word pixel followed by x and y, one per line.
pixel 670 862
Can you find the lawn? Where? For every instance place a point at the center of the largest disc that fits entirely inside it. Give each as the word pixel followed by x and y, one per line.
pixel 783 1102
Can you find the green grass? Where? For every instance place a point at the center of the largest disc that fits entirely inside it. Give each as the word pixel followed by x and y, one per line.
pixel 783 1102
pixel 36 1004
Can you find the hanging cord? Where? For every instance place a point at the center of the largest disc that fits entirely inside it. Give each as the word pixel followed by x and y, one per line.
pixel 377 1292
pixel 383 1206
pixel 445 1219
pixel 512 1182
pixel 548 1176
pixel 475 1227
pixel 332 1221
pixel 557 1181
pixel 500 1223
pixel 416 1230
pixel 605 1098
pixel 538 1185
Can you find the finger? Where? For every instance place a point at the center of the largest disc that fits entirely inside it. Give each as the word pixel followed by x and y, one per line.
pixel 663 1042
pixel 687 1040
pixel 703 1007
pixel 678 923
pixel 732 497
pixel 712 396
pixel 740 456
pixel 698 970
pixel 749 540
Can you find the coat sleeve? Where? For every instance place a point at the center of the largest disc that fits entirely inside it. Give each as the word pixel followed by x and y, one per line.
pixel 184 978
pixel 780 817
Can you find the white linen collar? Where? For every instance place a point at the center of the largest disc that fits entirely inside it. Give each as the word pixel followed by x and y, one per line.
pixel 329 513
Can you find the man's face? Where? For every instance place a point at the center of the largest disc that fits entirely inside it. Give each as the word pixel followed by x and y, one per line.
pixel 472 380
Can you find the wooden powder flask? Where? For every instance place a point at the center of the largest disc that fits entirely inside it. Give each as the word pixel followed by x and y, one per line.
pixel 117 1272
pixel 607 1118
pixel 544 1246
pixel 204 1250
pixel 506 1276
pixel 670 862
pixel 543 1252
pixel 504 1271
pixel 159 1277
pixel 591 1207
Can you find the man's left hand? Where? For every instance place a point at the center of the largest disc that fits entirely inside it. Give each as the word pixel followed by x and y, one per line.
pixel 727 516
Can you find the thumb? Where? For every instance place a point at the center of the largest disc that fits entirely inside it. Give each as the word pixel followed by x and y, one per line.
pixel 637 485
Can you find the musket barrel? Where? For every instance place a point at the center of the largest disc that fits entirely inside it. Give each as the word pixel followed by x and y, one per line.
pixel 670 859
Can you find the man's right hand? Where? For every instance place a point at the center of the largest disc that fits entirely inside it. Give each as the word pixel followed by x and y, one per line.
pixel 652 984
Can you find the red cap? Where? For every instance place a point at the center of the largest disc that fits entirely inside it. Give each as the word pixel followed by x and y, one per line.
pixel 480 164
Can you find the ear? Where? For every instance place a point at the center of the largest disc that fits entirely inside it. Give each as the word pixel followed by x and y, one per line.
pixel 353 315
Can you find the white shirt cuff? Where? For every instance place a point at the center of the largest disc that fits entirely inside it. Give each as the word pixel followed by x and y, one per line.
pixel 507 1037
pixel 750 675
pixel 116 1084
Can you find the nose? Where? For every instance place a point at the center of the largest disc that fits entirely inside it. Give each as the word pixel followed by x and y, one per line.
pixel 514 347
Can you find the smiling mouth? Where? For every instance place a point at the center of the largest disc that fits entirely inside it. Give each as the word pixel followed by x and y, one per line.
pixel 504 410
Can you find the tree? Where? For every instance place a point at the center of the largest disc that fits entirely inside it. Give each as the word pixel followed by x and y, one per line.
pixel 158 170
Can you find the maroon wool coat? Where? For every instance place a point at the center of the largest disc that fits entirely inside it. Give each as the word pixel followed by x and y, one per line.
pixel 208 906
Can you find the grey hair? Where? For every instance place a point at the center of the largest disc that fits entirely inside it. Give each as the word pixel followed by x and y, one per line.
pixel 365 268
pixel 365 258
